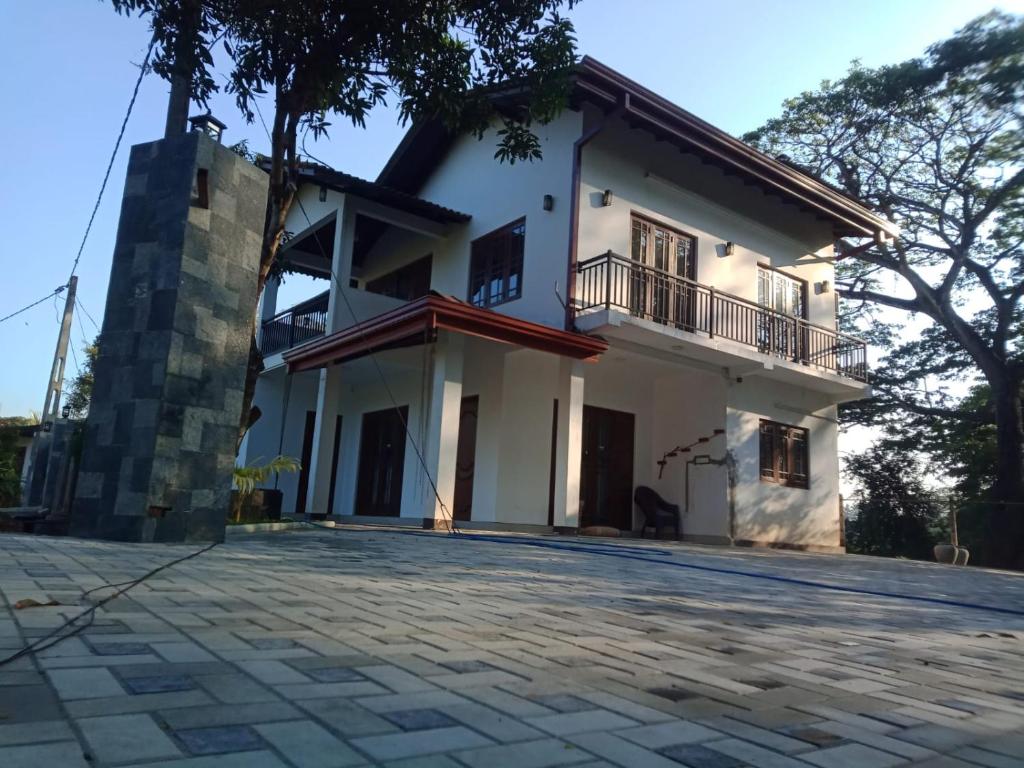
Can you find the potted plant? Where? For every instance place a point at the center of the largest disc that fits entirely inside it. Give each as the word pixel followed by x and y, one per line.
pixel 250 503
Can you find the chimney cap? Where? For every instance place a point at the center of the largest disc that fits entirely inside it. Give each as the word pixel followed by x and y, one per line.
pixel 207 124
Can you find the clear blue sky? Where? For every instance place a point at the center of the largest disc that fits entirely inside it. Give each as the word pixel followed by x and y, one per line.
pixel 66 73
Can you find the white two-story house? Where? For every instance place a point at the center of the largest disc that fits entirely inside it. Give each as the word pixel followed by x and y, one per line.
pixel 653 304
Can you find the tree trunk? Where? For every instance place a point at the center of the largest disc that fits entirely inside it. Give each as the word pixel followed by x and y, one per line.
pixel 1006 522
pixel 281 191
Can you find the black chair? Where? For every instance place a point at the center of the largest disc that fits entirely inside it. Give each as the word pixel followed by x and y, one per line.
pixel 657 512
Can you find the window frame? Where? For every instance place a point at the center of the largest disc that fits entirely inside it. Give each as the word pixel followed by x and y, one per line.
pixel 504 232
pixel 783 447
pixel 804 292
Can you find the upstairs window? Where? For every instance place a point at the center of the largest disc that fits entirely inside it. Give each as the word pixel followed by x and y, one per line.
pixel 496 266
pixel 784 457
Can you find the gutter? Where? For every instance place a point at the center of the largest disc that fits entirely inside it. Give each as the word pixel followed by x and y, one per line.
pixel 574 206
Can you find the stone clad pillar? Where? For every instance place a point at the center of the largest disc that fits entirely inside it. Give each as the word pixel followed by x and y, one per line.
pixel 569 443
pixel 163 422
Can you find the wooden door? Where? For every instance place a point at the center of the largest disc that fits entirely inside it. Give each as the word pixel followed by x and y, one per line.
pixel 606 472
pixel 465 459
pixel 307 457
pixel 663 254
pixel 381 462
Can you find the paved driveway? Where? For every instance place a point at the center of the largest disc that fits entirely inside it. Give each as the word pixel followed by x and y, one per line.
pixel 365 647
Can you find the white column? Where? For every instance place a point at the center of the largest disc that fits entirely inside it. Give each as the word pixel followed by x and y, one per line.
pixel 569 443
pixel 442 436
pixel 338 315
pixel 327 409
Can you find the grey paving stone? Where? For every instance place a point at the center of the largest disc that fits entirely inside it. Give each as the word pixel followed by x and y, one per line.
pixel 28 703
pixel 84 683
pixel 309 745
pixel 237 714
pixel 419 719
pixel 35 733
pixel 467 666
pixel 542 753
pixel 563 702
pixel 119 649
pixel 415 743
pixel 126 738
pixel 579 722
pixel 159 684
pixel 697 756
pixel 66 754
pixel 667 734
pixel 220 740
pixel 853 756
pixel 335 675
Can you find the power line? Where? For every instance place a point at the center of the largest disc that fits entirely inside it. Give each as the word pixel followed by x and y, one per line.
pixel 81 306
pixel 56 292
pixel 106 176
pixel 117 145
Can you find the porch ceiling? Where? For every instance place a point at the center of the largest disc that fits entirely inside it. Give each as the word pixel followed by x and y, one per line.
pixel 417 323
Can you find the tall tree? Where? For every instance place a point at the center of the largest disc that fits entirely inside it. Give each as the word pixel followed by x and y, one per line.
pixel 937 145
pixel 439 59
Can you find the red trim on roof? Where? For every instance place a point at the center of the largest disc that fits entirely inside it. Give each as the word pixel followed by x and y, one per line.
pixel 417 323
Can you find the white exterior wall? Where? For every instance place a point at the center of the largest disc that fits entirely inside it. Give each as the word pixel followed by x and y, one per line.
pixel 767 512
pixel 701 202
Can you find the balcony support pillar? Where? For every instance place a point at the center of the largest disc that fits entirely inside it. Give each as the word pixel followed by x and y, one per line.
pixel 568 444
pixel 268 305
pixel 328 403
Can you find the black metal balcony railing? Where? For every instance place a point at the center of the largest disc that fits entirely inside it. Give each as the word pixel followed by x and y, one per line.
pixel 301 323
pixel 611 281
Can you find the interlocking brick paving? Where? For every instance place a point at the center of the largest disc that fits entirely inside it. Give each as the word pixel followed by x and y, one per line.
pixel 361 647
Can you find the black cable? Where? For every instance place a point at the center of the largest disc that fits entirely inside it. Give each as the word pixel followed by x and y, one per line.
pixel 54 637
pixel 81 306
pixel 394 402
pixel 56 292
pixel 117 145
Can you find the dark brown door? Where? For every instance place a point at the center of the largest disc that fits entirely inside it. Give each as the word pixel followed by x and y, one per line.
pixel 465 459
pixel 381 460
pixel 606 474
pixel 307 457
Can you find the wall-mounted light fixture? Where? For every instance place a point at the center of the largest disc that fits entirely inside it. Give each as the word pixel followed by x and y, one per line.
pixel 549 202
pixel 65 412
pixel 822 287
pixel 606 198
pixel 323 194
pixel 730 248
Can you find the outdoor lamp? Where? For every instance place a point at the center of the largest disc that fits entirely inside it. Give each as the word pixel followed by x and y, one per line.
pixel 730 248
pixel 606 198
pixel 65 411
pixel 549 202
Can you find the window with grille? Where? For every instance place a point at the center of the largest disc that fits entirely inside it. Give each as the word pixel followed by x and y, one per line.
pixel 496 266
pixel 784 454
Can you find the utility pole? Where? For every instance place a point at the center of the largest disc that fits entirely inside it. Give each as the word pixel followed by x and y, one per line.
pixel 51 406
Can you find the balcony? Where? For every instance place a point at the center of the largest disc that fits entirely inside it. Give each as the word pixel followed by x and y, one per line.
pixel 613 282
pixel 301 323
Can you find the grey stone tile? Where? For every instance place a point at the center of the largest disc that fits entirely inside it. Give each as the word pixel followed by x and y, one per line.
pixel 667 734
pixel 238 714
pixel 853 756
pixel 697 756
pixel 419 719
pixel 28 703
pixel 35 733
pixel 159 684
pixel 415 743
pixel 580 722
pixel 66 754
pixel 220 739
pixel 84 683
pixel 542 753
pixel 126 738
pixel 309 745
pixel 335 675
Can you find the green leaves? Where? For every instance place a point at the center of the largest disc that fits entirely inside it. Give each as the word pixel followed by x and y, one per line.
pixel 247 479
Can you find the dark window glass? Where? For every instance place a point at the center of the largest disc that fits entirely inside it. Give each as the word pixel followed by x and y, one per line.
pixel 784 454
pixel 496 266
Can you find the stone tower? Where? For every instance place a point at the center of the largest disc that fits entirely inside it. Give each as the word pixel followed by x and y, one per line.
pixel 160 437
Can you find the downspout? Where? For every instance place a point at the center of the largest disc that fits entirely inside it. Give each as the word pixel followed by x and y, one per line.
pixel 574 206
